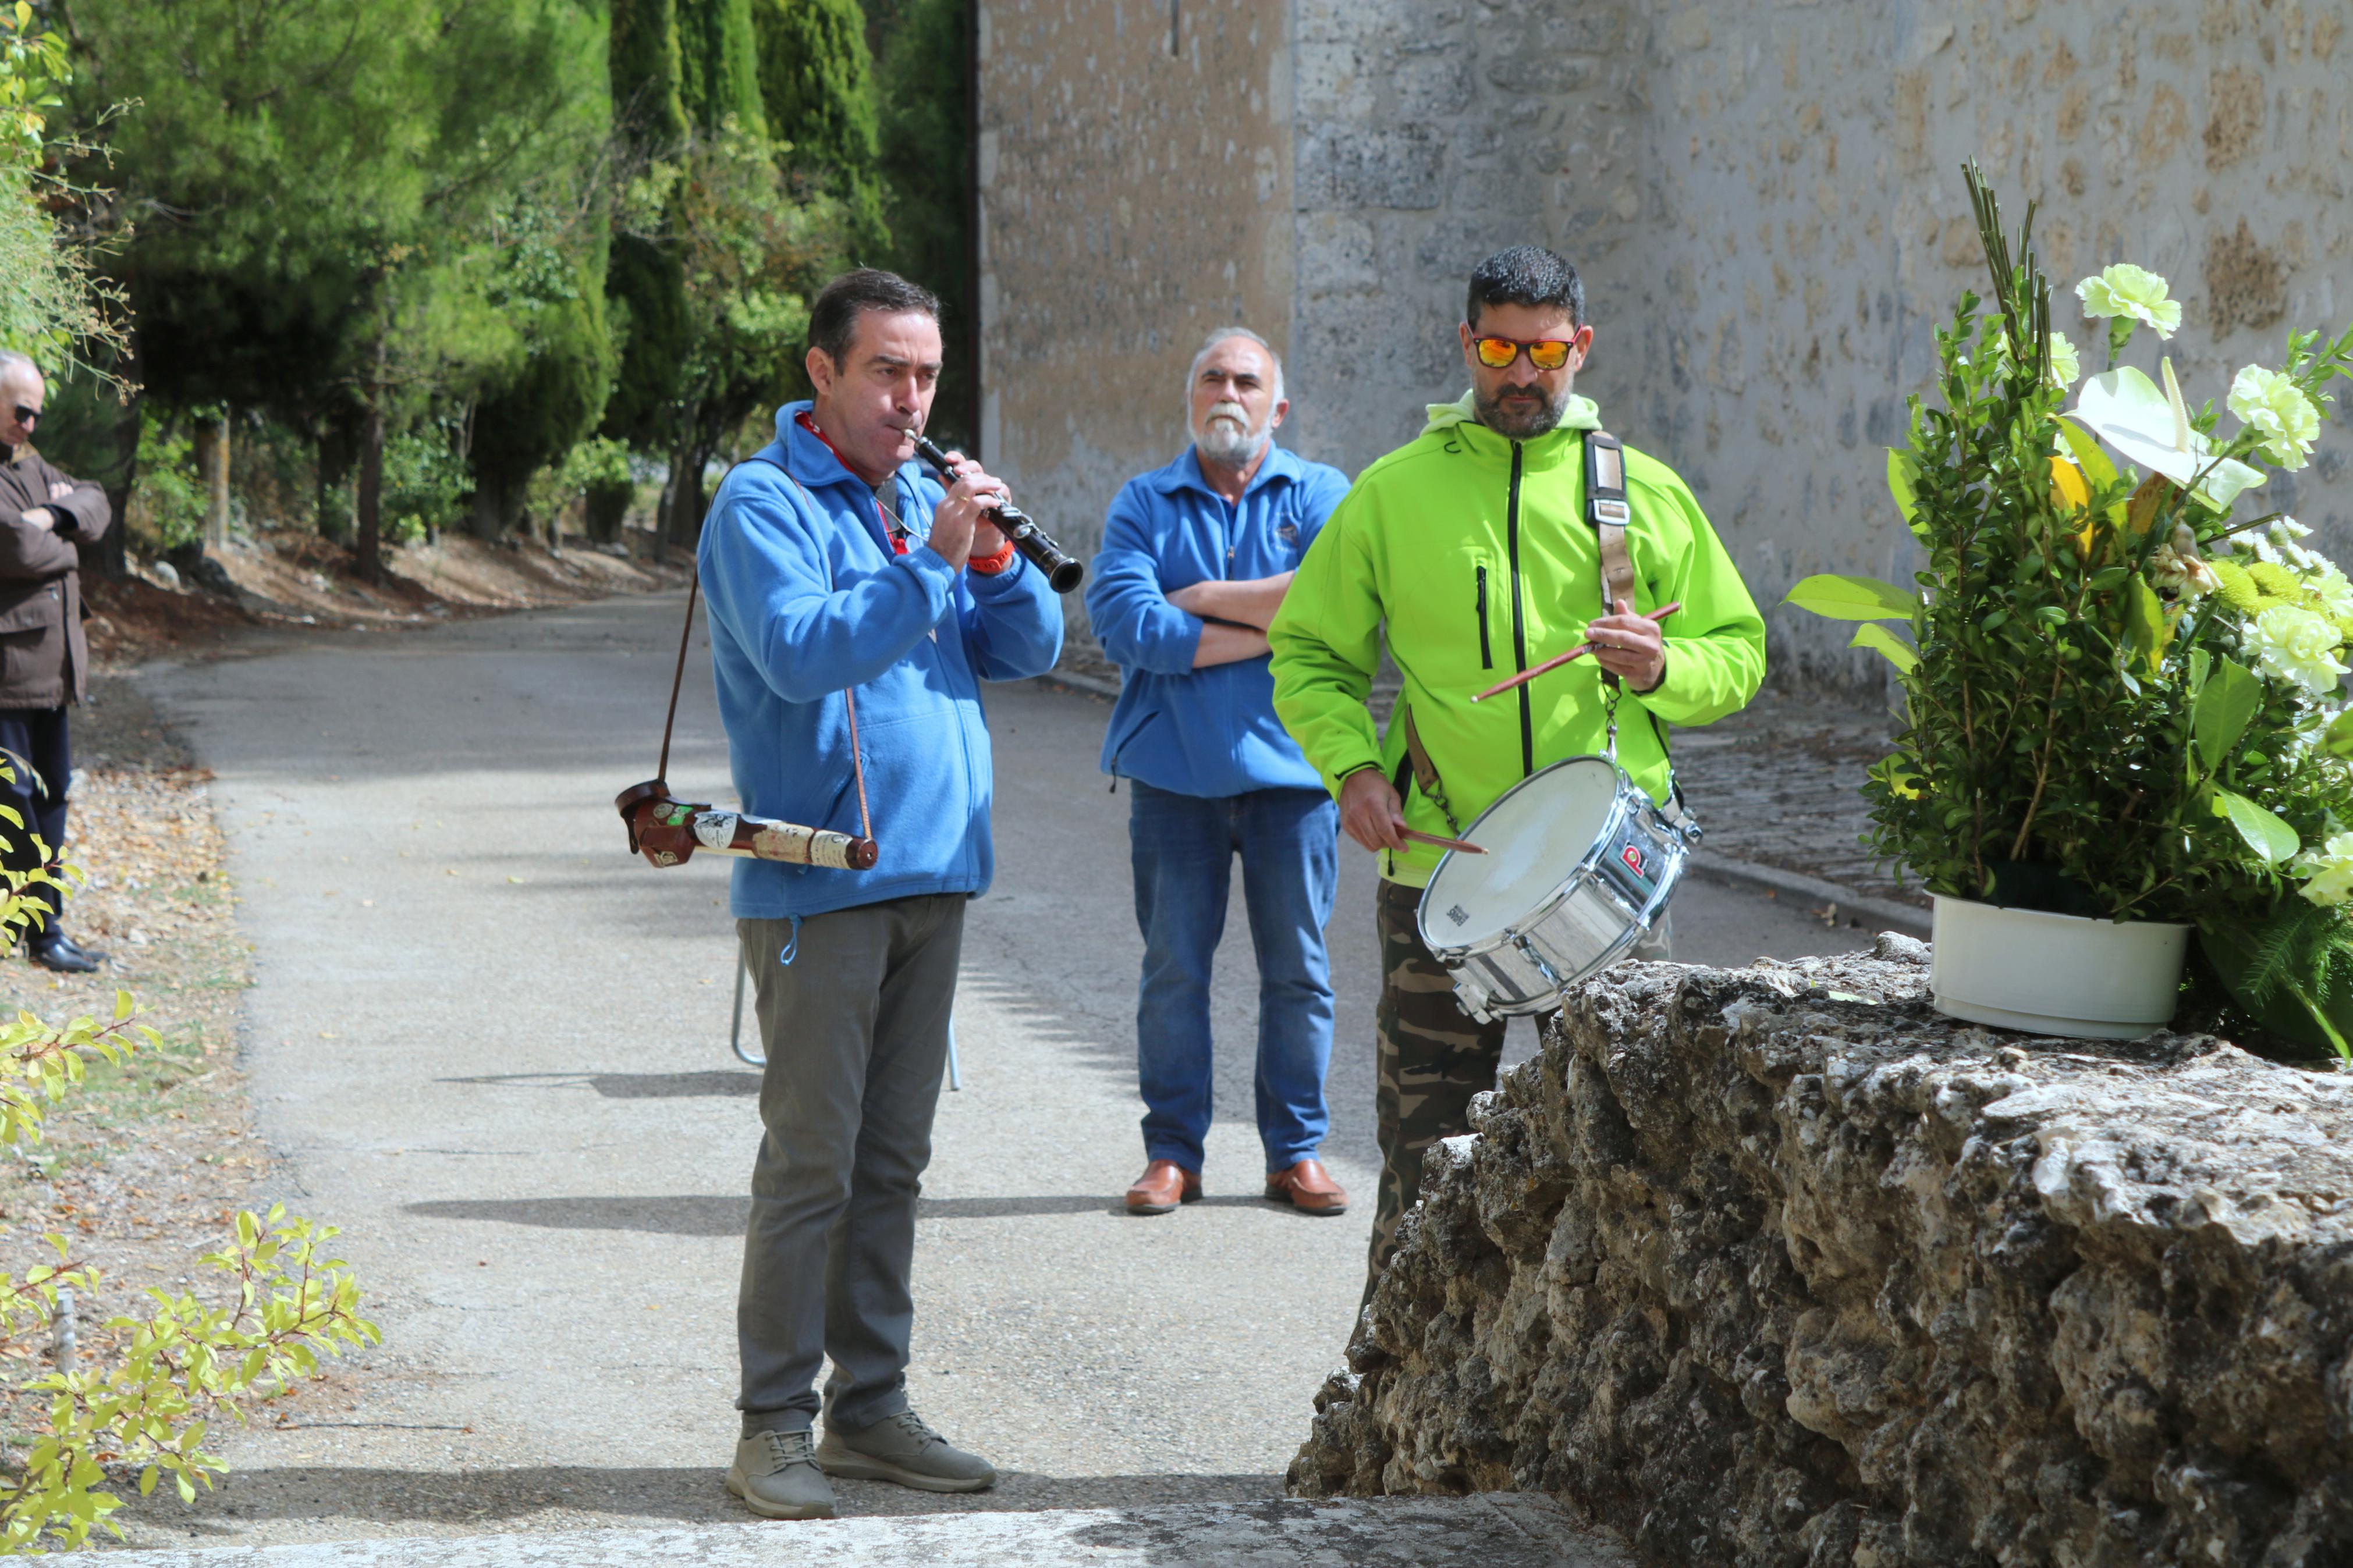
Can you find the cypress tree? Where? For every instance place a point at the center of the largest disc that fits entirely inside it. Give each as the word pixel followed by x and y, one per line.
pixel 719 60
pixel 816 82
pixel 645 67
pixel 928 183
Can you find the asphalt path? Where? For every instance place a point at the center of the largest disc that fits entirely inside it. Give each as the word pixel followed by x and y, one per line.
pixel 493 1047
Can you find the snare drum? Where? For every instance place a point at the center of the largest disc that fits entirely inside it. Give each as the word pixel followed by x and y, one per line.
pixel 1579 865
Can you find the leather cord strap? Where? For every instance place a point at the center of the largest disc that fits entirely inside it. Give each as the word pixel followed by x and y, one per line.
pixel 685 636
pixel 678 676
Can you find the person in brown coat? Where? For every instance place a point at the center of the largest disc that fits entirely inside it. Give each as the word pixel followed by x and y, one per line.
pixel 44 659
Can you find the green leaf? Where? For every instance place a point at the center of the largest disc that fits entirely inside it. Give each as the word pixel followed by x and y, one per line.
pixel 2337 742
pixel 1847 598
pixel 2224 706
pixel 2095 464
pixel 1903 483
pixel 2145 625
pixel 2201 664
pixel 1899 652
pixel 2267 835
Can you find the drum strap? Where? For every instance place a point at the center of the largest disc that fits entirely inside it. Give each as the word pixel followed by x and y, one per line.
pixel 1606 511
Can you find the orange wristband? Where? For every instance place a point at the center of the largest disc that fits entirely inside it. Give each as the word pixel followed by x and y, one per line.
pixel 990 566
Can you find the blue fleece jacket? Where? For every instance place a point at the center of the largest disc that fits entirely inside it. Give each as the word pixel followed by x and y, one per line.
pixel 807 600
pixel 1210 731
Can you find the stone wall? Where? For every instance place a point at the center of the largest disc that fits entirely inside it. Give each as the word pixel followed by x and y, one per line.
pixel 1135 185
pixel 1764 198
pixel 1777 1266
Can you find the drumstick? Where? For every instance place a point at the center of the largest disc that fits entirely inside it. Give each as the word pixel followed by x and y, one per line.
pixel 1418 836
pixel 1660 613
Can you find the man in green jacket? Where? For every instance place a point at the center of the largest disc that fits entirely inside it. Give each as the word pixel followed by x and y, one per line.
pixel 1469 550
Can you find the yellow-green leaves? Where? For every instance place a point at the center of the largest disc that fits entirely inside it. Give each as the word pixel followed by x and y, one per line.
pixel 2147 629
pixel 1841 597
pixel 1879 640
pixel 2265 834
pixel 1904 484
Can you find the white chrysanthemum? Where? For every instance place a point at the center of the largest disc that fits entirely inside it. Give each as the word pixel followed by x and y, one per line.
pixel 2291 644
pixel 2333 589
pixel 2065 366
pixel 2327 870
pixel 2124 290
pixel 2267 401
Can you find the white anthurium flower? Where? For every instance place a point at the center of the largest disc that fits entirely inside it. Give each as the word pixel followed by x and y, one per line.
pixel 2327 870
pixel 2291 644
pixel 2151 428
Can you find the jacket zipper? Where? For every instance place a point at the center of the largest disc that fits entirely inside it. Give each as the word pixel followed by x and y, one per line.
pixel 1486 653
pixel 1519 627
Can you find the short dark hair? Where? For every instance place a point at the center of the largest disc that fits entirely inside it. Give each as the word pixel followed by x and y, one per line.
pixel 1525 275
pixel 833 314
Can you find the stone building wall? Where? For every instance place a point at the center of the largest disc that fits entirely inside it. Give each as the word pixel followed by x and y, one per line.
pixel 1764 199
pixel 1135 183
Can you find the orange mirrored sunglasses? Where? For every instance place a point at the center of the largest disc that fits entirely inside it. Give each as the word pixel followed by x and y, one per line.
pixel 1544 353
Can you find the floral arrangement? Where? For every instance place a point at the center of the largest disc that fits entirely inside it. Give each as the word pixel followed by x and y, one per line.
pixel 2120 688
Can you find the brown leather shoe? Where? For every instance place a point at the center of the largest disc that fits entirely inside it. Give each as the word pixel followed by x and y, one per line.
pixel 1164 1184
pixel 1308 1188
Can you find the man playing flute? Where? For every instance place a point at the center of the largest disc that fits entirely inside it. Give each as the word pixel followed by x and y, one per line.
pixel 1472 552
pixel 855 608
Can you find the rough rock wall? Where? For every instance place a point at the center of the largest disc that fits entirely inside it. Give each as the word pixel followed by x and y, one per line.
pixel 1777 1266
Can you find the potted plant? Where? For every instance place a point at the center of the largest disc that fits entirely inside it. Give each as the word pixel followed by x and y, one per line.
pixel 2121 721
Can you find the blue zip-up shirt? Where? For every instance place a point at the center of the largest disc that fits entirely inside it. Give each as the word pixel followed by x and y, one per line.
pixel 807 601
pixel 1200 731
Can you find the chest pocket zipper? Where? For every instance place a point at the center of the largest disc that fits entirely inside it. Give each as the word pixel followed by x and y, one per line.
pixel 1486 649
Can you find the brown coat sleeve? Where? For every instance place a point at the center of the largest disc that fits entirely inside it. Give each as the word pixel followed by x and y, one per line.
pixel 83 516
pixel 35 553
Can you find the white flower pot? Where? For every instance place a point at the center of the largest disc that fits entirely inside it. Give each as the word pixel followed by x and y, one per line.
pixel 2055 974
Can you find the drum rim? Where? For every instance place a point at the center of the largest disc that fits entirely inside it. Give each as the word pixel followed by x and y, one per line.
pixel 1621 808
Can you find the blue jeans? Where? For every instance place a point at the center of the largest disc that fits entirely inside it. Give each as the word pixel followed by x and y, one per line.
pixel 1184 848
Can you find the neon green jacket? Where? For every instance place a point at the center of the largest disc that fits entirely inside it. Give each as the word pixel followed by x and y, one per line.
pixel 1471 553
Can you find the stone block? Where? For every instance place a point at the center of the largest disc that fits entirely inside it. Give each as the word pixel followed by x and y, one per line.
pixel 1398 166
pixel 1778 1264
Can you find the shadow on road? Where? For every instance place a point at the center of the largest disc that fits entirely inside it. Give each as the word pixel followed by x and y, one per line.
pixel 708 1214
pixel 718 1084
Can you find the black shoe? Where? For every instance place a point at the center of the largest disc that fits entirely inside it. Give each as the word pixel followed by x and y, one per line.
pixel 59 953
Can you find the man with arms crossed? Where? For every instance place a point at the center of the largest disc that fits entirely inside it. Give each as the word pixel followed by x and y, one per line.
pixel 855 607
pixel 1470 552
pixel 1196 557
pixel 44 518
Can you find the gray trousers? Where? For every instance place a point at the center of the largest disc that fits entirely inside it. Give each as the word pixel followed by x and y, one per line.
pixel 856 1030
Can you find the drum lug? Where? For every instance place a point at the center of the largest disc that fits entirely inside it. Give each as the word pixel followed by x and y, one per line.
pixel 1474 1001
pixel 1528 952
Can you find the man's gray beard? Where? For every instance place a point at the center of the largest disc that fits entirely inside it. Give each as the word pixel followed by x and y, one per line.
pixel 1225 443
pixel 1516 425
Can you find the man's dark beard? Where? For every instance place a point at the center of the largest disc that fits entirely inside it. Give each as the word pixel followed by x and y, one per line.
pixel 1519 421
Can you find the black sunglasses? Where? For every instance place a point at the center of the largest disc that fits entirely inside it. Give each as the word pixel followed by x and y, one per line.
pixel 26 415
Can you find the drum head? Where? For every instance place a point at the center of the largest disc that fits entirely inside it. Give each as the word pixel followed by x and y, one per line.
pixel 1536 835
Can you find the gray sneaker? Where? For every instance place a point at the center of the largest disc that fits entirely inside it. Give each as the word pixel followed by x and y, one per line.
pixel 777 1476
pixel 902 1449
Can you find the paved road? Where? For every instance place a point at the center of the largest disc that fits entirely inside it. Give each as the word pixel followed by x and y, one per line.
pixel 494 1049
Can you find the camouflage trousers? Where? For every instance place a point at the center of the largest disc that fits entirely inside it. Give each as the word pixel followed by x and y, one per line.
pixel 1432 1058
